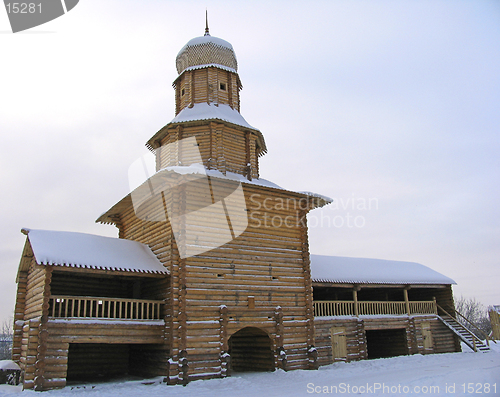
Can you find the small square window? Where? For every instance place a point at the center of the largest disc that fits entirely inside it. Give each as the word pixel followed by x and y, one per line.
pixel 222 86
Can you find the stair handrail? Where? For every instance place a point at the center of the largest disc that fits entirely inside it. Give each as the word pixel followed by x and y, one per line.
pixel 474 337
pixel 474 325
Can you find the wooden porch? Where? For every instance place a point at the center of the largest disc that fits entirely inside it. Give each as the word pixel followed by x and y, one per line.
pixel 62 306
pixel 373 308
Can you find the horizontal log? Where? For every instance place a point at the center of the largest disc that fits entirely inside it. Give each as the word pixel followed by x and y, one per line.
pixel 56 360
pixel 55 383
pixel 113 339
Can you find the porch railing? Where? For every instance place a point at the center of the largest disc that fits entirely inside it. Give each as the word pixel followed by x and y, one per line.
pixel 351 308
pixel 109 308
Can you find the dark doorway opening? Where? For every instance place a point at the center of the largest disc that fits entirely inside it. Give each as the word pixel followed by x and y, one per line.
pixel 386 343
pixel 251 349
pixel 95 362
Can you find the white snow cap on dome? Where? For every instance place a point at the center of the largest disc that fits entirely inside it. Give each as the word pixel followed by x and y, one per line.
pixel 207 39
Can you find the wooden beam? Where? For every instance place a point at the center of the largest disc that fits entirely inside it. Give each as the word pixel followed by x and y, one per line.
pixel 102 272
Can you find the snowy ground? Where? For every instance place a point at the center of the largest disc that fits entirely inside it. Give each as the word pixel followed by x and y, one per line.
pixel 457 374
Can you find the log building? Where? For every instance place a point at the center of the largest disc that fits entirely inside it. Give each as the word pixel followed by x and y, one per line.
pixel 211 272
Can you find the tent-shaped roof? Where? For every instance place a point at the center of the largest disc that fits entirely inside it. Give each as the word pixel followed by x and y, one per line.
pixel 93 252
pixel 338 269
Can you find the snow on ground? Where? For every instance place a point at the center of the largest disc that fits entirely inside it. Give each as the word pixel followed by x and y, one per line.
pixel 457 374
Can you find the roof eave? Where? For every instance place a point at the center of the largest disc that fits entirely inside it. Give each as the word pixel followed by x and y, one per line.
pixel 152 143
pixel 390 284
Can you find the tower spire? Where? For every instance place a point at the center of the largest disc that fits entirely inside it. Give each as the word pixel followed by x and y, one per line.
pixel 207 33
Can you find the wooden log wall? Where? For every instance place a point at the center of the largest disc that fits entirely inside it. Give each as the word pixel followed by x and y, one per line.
pixel 61 334
pixel 29 345
pixel 444 340
pixel 29 342
pixel 222 147
pixel 102 331
pixel 19 316
pixel 42 372
pixel 495 324
pixel 444 298
pixel 265 265
pixel 355 340
pixel 159 237
pixel 306 265
pixel 207 85
pixel 35 288
pixel 355 329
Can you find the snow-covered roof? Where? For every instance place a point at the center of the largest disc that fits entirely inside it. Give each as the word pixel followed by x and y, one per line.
pixel 205 111
pixel 92 252
pixel 210 65
pixel 345 270
pixel 163 175
pixel 205 40
pixel 199 169
pixel 8 365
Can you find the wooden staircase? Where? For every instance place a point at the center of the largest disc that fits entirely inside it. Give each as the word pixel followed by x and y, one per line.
pixel 469 338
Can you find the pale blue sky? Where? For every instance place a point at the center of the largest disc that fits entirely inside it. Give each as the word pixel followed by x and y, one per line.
pixel 394 101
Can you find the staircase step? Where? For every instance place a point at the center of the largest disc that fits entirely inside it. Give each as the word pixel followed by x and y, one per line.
pixel 464 334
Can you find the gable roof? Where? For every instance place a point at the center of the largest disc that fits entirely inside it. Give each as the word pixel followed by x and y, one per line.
pixel 90 251
pixel 345 270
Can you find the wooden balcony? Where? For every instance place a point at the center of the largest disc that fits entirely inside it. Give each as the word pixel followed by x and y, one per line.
pixel 373 308
pixel 105 308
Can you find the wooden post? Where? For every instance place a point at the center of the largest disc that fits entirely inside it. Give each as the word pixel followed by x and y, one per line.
pixel 495 324
pixel 311 350
pixel 192 91
pixel 247 156
pixel 225 358
pixel 355 298
pixel 19 315
pixel 280 351
pixel 407 303
pixel 43 335
pixel 184 367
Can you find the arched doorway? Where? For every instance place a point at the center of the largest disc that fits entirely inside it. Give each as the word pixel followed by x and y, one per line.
pixel 251 349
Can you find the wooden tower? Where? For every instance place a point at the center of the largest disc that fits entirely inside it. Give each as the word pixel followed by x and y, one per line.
pixel 211 272
pixel 245 304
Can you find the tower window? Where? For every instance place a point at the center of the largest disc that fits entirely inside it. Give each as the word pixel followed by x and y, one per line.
pixel 222 86
pixel 183 91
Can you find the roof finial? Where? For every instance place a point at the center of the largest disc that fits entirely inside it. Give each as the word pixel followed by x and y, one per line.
pixel 207 33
